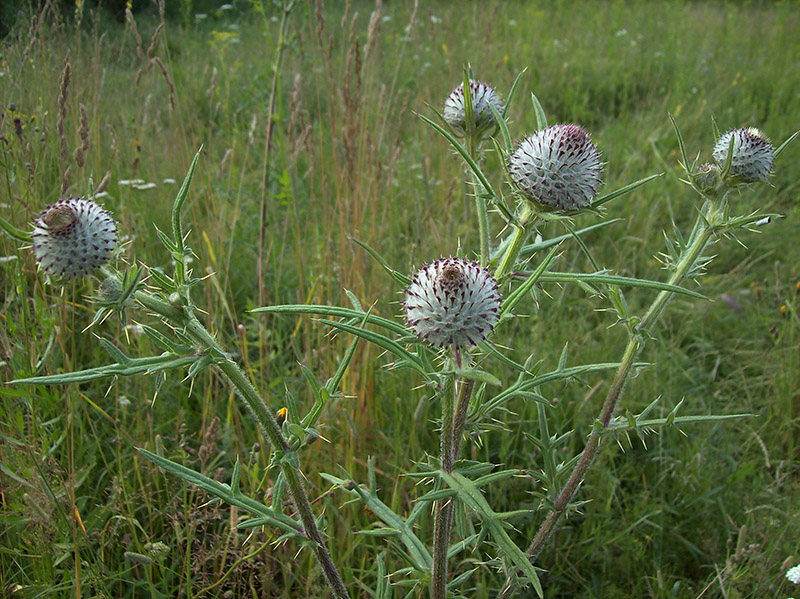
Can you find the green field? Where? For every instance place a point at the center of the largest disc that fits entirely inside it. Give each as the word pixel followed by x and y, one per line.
pixel 709 510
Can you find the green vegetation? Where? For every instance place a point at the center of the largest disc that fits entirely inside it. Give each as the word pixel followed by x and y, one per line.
pixel 710 510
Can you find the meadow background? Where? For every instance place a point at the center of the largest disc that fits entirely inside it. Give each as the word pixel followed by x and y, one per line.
pixel 711 511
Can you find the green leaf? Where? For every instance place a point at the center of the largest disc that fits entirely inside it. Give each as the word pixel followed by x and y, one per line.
pixel 396 275
pixel 134 366
pixel 541 119
pixel 163 342
pixel 543 245
pixel 14 233
pixel 618 193
pixel 381 341
pixel 599 277
pixel 177 228
pixel 420 557
pixel 473 498
pixel 479 376
pixel 265 515
pixel 512 91
pixel 516 296
pixel 782 147
pixel 338 312
pixel 464 154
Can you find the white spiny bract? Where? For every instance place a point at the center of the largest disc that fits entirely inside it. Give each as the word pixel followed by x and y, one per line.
pixel 752 157
pixel 454 112
pixel 452 303
pixel 559 167
pixel 73 238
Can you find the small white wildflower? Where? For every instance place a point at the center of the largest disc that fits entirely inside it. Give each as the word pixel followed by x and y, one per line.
pixel 452 303
pixel 435 20
pixel 558 167
pixel 169 180
pixel 123 401
pixel 793 575
pixel 73 238
pixel 226 7
pixel 512 22
pixel 127 182
pixel 200 16
pixel 144 186
pixel 621 32
pixel 482 97
pixel 752 157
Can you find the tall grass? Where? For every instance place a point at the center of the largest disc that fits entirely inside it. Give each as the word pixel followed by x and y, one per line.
pixel 706 512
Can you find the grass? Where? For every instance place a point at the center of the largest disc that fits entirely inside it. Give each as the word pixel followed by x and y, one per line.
pixel 706 512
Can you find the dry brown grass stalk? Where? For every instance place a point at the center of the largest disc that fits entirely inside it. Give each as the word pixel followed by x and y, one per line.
pixel 168 79
pixel 63 97
pixel 83 132
pixel 151 49
pixel 114 143
pixel 103 185
pixel 132 26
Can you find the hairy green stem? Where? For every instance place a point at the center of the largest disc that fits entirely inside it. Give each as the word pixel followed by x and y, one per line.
pixel 453 420
pixel 701 236
pixel 512 252
pixel 258 406
pixel 525 215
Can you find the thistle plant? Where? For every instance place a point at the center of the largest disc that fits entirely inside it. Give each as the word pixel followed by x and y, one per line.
pixel 447 333
pixel 75 238
pixel 455 308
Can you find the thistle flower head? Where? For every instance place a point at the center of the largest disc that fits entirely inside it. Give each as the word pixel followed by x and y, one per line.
pixel 558 167
pixel 752 157
pixel 483 96
pixel 73 238
pixel 452 303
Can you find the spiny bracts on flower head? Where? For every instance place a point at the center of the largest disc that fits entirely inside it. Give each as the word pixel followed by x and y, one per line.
pixel 559 167
pixel 752 157
pixel 73 238
pixel 455 113
pixel 452 303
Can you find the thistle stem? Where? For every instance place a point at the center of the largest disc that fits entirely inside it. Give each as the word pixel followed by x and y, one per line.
pixel 453 420
pixel 509 259
pixel 480 202
pixel 702 234
pixel 512 252
pixel 258 406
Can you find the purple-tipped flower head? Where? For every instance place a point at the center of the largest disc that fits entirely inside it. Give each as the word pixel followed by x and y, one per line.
pixel 452 303
pixel 482 97
pixel 753 154
pixel 558 167
pixel 73 238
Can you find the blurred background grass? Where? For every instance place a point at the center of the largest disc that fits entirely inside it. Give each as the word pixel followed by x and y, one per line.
pixel 712 512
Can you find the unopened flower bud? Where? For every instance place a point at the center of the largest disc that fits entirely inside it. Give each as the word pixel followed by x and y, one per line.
pixel 110 290
pixel 559 167
pixel 707 177
pixel 452 303
pixel 483 96
pixel 752 156
pixel 73 238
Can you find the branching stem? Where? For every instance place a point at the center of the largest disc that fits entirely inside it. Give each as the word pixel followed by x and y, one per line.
pixel 702 234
